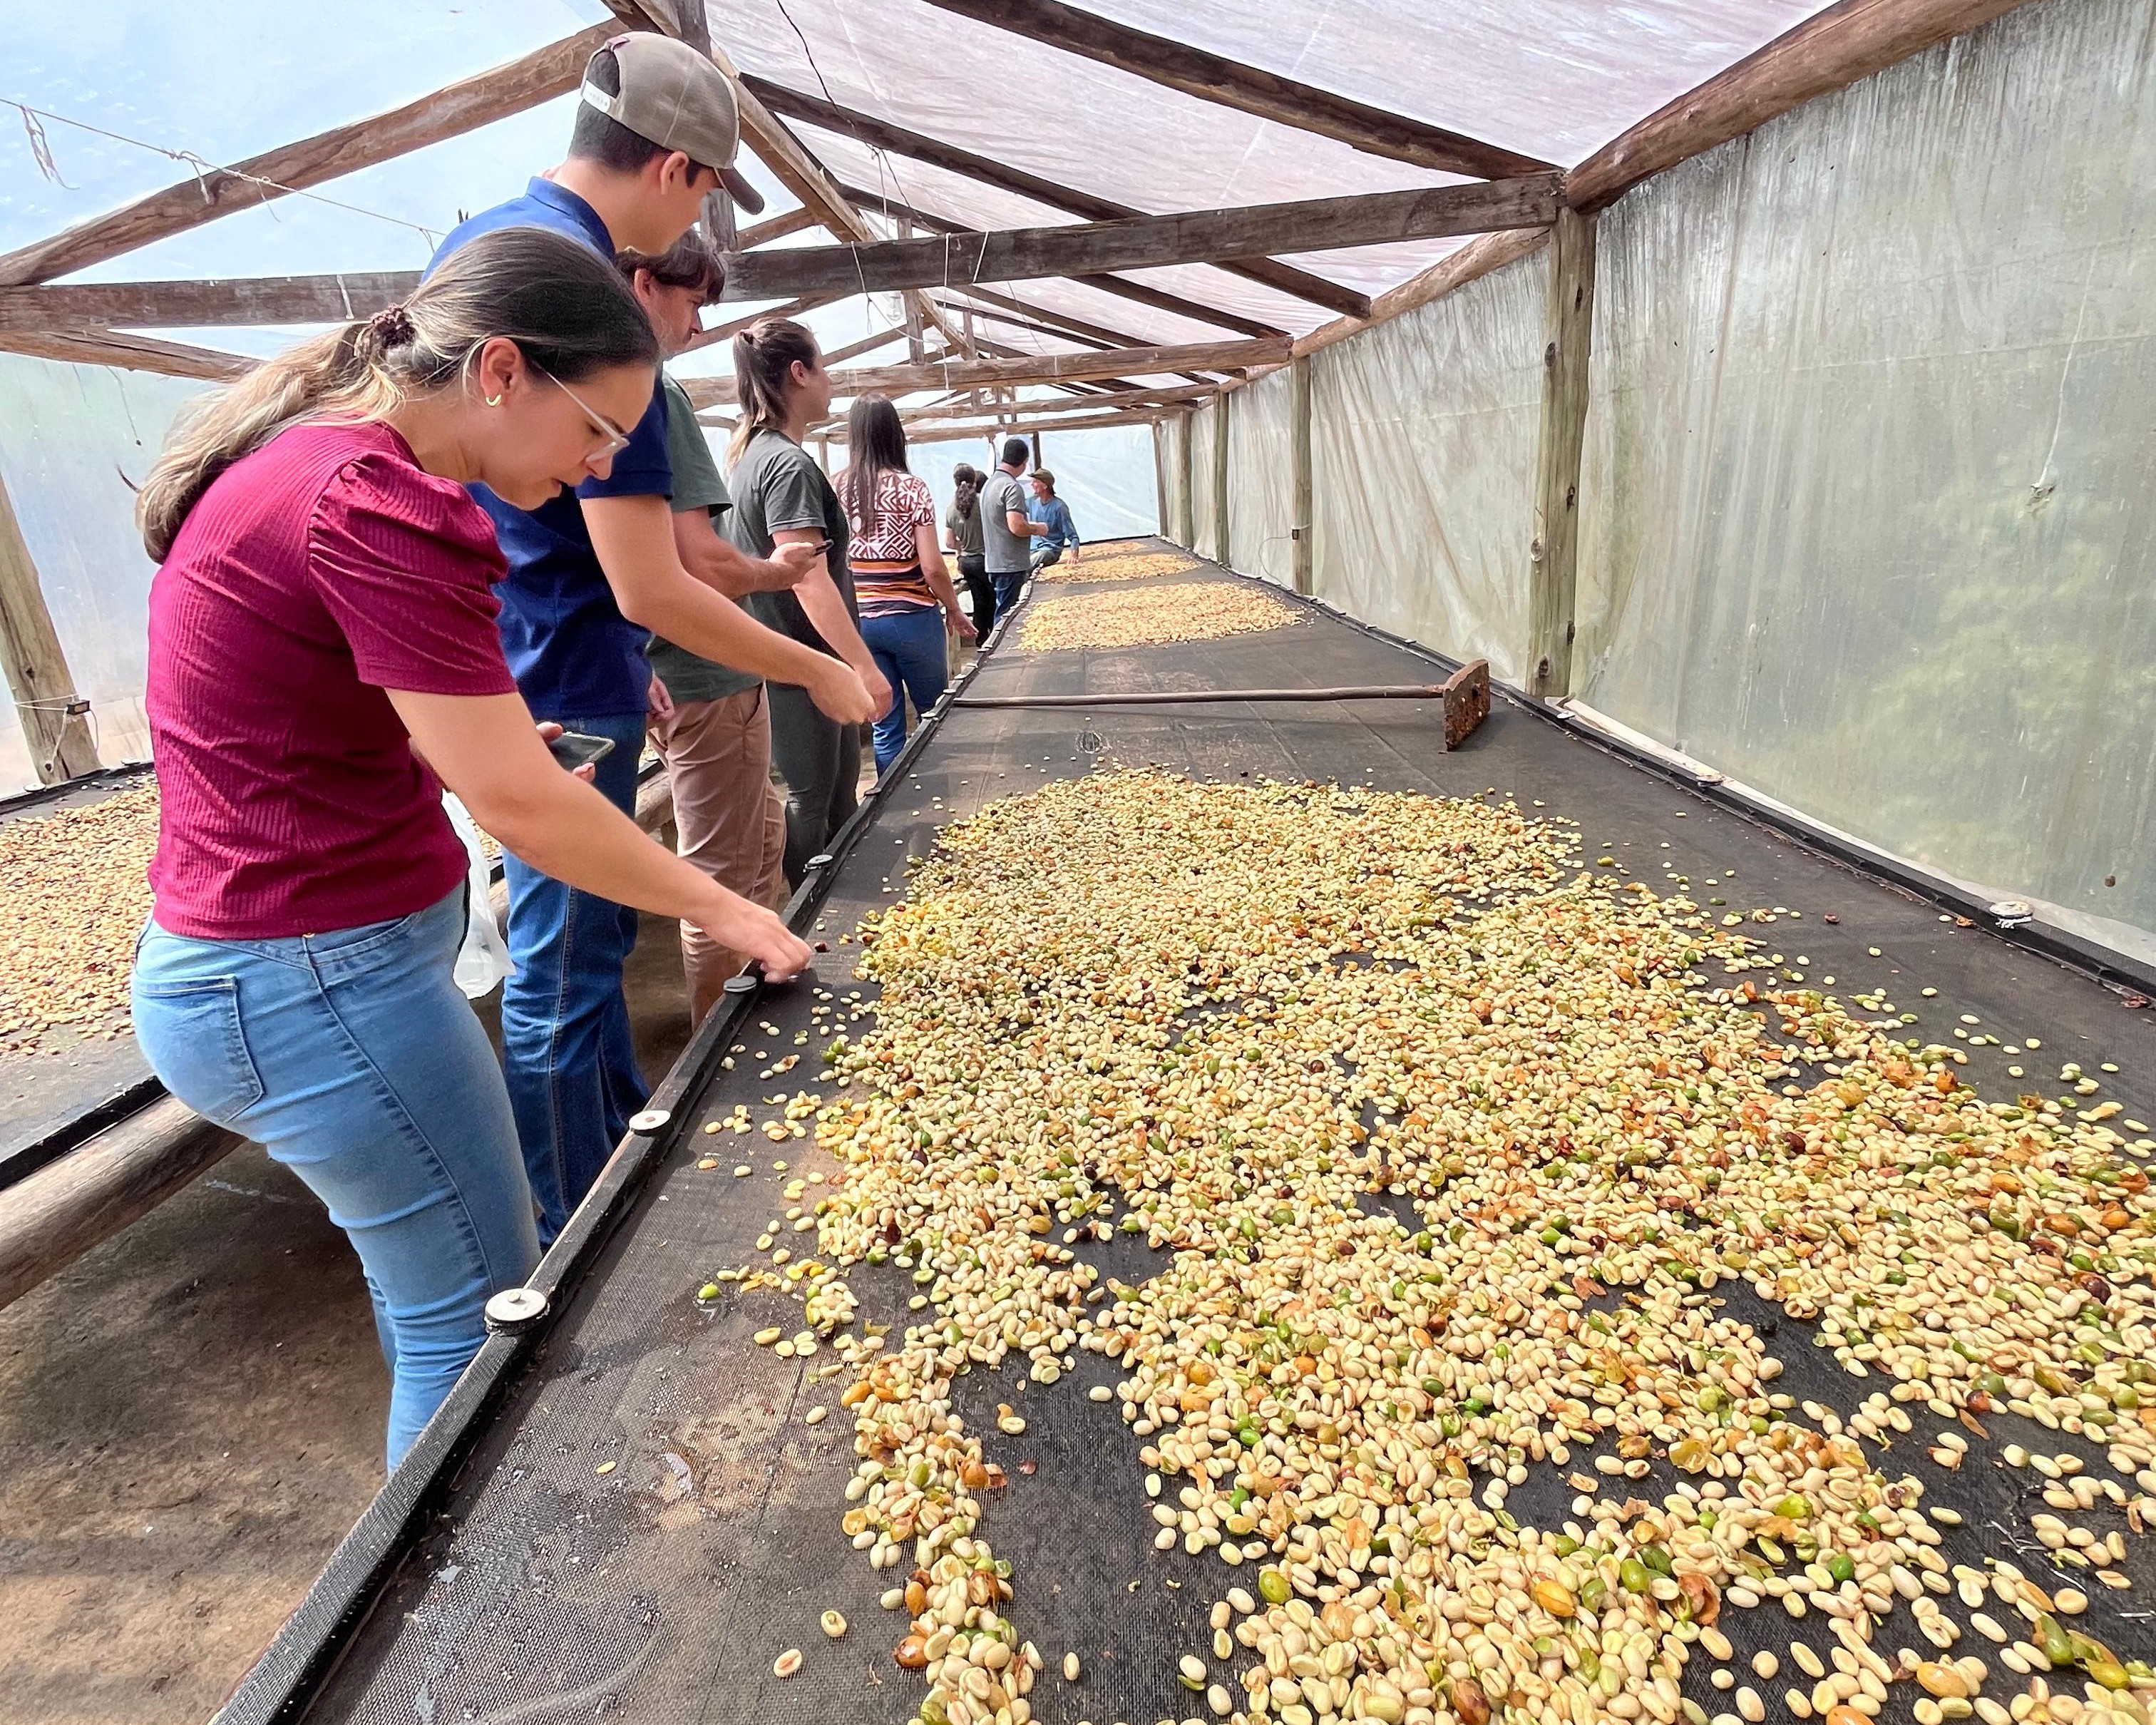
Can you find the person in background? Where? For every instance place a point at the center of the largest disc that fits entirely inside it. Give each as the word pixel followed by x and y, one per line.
pixel 323 658
pixel 592 575
pixel 906 595
pixel 1007 531
pixel 1052 515
pixel 962 538
pixel 711 724
pixel 781 497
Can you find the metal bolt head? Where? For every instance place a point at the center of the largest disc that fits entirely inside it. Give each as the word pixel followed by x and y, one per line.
pixel 513 1308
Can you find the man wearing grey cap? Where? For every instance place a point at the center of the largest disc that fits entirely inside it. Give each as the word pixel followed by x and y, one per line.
pixel 592 575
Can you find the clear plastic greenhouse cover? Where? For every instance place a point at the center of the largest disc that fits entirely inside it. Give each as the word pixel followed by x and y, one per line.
pixel 1552 78
pixel 1864 508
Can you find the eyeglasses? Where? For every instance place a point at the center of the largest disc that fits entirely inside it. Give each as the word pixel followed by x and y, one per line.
pixel 616 439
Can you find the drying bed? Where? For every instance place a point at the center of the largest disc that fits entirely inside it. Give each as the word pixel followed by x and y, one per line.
pixel 635 1519
pixel 72 899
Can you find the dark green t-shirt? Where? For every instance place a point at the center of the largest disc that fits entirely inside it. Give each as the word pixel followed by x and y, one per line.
pixel 777 485
pixel 697 484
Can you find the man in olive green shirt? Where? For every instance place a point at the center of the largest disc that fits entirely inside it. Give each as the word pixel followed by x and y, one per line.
pixel 712 725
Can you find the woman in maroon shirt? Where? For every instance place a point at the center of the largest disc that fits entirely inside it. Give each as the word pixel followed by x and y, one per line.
pixel 323 659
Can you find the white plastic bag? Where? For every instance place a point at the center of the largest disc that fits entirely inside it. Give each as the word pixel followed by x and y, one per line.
pixel 483 959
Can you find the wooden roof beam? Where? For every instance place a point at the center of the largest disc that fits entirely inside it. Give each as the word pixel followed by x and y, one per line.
pixel 1143 242
pixel 491 96
pixel 1375 132
pixel 1030 368
pixel 881 134
pixel 1010 421
pixel 1131 399
pixel 1137 292
pixel 92 346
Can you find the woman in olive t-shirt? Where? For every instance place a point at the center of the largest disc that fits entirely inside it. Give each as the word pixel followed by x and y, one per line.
pixel 778 489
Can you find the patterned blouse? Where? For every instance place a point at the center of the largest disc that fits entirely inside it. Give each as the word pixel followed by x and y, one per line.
pixel 886 556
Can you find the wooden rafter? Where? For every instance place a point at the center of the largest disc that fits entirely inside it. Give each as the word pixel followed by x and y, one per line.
pixel 1374 131
pixel 491 96
pixel 726 332
pixel 1009 421
pixel 1122 399
pixel 1028 368
pixel 1143 242
pixel 91 346
pixel 1058 322
pixel 210 304
pixel 1138 293
pixel 220 302
pixel 867 344
pixel 881 134
pixel 793 221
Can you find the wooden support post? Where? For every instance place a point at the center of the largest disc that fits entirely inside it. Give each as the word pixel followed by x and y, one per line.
pixel 57 733
pixel 1300 510
pixel 1186 521
pixel 824 455
pixel 1160 477
pixel 1036 449
pixel 1553 567
pixel 915 351
pixel 1220 479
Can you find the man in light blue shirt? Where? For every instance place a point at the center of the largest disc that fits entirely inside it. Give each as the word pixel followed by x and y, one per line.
pixel 1050 516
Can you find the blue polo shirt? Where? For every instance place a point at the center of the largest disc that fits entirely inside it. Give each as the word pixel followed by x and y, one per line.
pixel 572 653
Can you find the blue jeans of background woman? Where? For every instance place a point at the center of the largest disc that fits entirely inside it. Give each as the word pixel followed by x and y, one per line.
pixel 354 1060
pixel 909 650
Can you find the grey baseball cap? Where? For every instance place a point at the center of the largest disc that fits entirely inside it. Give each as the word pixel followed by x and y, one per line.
pixel 675 97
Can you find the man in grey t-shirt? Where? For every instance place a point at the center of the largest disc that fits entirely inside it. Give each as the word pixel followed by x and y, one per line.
pixel 1007 535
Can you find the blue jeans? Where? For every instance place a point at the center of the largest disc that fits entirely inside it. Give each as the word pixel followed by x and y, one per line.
pixel 1007 586
pixel 565 1047
pixel 352 1059
pixel 909 650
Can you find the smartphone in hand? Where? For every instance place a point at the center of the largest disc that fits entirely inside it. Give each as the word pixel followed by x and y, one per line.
pixel 574 749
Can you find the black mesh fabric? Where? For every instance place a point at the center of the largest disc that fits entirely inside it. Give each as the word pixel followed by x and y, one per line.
pixel 661 1590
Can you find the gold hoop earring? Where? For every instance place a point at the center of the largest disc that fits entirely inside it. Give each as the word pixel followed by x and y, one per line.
pixel 494 401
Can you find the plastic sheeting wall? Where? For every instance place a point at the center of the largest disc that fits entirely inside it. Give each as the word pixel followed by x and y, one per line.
pixel 1867 518
pixel 1204 529
pixel 72 440
pixel 1261 481
pixel 1174 436
pixel 1422 463
pixel 1106 477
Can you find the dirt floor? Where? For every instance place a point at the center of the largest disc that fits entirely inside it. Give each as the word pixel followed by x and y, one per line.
pixel 190 1420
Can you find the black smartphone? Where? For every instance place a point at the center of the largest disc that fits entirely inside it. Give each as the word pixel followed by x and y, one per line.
pixel 574 749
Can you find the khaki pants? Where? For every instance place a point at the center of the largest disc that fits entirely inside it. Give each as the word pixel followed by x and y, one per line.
pixel 729 819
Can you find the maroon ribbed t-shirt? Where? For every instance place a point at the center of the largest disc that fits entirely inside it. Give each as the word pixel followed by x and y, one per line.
pixel 317 572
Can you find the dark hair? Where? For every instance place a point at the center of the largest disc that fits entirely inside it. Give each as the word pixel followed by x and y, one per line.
pixel 968 481
pixel 689 263
pixel 566 309
pixel 598 137
pixel 1045 480
pixel 765 354
pixel 1016 450
pixel 875 443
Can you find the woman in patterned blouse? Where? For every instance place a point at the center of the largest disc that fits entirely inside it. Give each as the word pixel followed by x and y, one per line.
pixel 905 592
